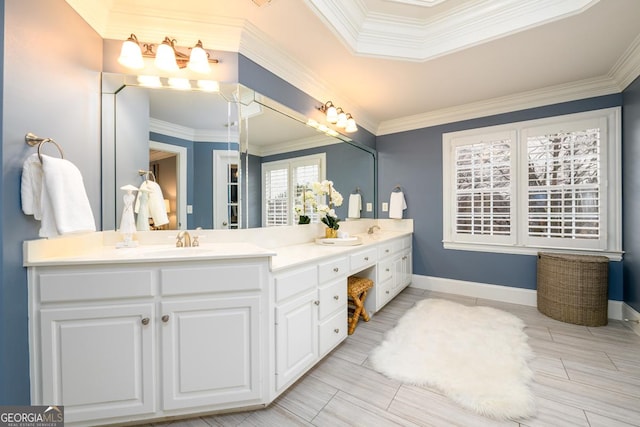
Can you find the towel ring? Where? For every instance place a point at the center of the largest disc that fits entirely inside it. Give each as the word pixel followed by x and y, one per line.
pixel 33 140
pixel 149 174
pixel 397 188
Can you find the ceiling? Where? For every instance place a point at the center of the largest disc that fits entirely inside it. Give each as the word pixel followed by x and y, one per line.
pixel 404 64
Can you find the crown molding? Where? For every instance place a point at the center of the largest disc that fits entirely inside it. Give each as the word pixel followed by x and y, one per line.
pixel 188 134
pixel 627 68
pixel 537 98
pixel 370 33
pixel 295 145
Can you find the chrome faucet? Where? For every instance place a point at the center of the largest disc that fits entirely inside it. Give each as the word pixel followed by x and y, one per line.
pixel 371 229
pixel 183 234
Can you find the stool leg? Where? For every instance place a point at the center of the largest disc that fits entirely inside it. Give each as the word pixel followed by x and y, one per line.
pixel 365 315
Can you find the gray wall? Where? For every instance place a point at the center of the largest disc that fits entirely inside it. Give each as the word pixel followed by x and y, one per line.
pixel 631 193
pixel 414 160
pixel 51 86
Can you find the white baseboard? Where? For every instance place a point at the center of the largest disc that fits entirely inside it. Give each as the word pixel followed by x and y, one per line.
pixel 500 293
pixel 629 313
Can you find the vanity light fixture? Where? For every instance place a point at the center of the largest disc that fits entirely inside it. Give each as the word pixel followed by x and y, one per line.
pixel 167 57
pixel 336 115
pixel 179 83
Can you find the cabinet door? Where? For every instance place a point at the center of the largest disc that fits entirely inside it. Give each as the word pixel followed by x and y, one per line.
pixel 296 337
pixel 210 351
pixel 405 270
pixel 98 362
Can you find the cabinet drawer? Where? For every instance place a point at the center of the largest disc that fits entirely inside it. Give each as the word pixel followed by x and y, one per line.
pixel 387 248
pixel 385 270
pixel 384 292
pixel 332 297
pixel 363 259
pixel 332 269
pixel 332 331
pixel 194 280
pixel 98 285
pixel 295 282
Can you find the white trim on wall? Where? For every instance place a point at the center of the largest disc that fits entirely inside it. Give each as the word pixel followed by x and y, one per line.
pixel 497 293
pixel 629 313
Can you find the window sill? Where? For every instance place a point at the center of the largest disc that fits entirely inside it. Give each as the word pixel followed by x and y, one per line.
pixel 525 250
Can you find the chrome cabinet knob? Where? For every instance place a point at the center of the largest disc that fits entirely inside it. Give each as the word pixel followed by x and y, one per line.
pixel 336 330
pixel 336 297
pixel 165 318
pixel 145 321
pixel 366 258
pixel 316 302
pixel 336 269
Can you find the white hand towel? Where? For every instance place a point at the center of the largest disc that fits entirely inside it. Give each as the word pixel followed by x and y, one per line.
pixel 396 205
pixel 157 208
pixel 68 203
pixel 31 186
pixel 355 205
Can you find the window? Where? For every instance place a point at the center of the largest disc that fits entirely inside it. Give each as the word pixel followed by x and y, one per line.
pixel 284 182
pixel 544 184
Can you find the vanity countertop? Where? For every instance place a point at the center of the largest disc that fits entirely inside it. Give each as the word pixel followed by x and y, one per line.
pixel 150 253
pixel 99 248
pixel 291 256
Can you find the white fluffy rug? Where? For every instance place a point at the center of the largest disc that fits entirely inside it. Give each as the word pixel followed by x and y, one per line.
pixel 476 355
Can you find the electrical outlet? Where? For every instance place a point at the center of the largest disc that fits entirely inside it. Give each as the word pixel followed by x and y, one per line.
pixel 385 207
pixel 189 209
pixel 369 207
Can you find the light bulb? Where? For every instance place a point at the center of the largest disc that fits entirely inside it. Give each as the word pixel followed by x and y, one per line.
pixel 209 85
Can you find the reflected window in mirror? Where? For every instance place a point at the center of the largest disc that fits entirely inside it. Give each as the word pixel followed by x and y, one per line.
pixel 284 182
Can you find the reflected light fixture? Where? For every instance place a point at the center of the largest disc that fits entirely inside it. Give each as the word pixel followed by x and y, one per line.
pixel 337 116
pixel 167 57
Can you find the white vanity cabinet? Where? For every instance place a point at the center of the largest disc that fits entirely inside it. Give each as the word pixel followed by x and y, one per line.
pixel 394 269
pixel 311 316
pixel 93 330
pixel 211 334
pixel 122 343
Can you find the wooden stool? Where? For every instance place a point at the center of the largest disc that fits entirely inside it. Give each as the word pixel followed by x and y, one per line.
pixel 357 288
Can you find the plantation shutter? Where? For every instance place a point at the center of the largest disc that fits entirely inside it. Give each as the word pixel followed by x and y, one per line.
pixel 565 184
pixel 276 196
pixel 483 200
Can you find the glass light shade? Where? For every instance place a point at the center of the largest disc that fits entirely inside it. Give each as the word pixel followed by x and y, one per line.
pixel 342 120
pixel 351 125
pixel 131 55
pixel 332 114
pixel 199 60
pixel 179 83
pixel 166 58
pixel 209 85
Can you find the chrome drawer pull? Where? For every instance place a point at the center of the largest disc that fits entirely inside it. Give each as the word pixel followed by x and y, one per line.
pixel 366 258
pixel 336 269
pixel 337 331
pixel 316 302
pixel 336 297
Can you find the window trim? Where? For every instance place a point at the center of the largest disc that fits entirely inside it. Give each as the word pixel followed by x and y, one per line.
pixel 290 163
pixel 523 244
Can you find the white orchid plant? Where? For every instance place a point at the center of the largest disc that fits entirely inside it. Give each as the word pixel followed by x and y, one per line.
pixel 309 200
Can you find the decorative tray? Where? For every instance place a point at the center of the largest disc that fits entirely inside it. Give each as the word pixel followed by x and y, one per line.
pixel 345 241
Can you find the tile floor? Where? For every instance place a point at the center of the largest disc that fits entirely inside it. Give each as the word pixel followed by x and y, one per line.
pixel 584 376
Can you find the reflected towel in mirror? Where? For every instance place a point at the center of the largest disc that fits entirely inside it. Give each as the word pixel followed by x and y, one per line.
pixel 355 205
pixel 397 204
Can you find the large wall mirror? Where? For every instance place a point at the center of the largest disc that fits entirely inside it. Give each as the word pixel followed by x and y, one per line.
pixel 208 152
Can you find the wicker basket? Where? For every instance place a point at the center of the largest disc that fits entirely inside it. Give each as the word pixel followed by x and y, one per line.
pixel 573 288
